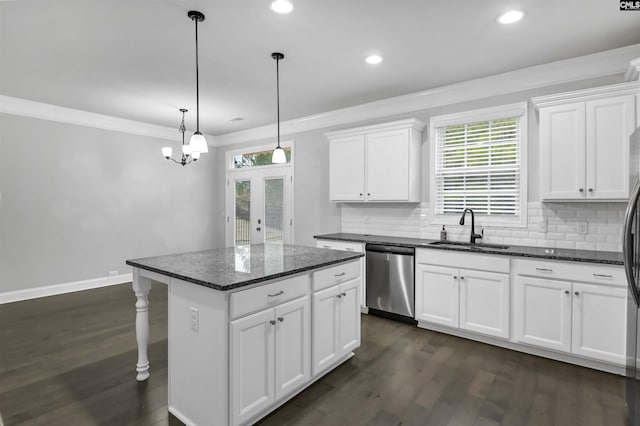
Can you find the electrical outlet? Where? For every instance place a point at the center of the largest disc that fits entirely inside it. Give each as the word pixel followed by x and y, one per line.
pixel 195 319
pixel 542 224
pixel 367 219
pixel 113 273
pixel 582 227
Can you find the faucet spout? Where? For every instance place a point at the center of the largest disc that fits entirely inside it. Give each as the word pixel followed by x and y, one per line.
pixel 474 236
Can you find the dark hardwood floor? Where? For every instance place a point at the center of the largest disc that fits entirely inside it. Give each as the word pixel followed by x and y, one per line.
pixel 69 360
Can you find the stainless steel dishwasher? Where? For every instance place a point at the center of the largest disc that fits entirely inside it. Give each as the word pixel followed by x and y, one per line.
pixel 390 281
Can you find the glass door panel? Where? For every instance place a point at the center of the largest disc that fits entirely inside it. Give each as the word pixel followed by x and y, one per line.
pixel 274 210
pixel 242 219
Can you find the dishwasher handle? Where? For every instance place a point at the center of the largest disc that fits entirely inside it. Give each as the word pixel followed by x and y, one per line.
pixel 379 248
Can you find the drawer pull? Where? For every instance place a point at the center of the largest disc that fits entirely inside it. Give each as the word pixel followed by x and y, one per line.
pixel 349 249
pixel 340 275
pixel 547 270
pixel 326 247
pixel 272 322
pixel 602 276
pixel 281 319
pixel 280 293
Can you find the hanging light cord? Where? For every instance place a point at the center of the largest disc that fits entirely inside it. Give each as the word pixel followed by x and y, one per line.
pixel 197 82
pixel 278 95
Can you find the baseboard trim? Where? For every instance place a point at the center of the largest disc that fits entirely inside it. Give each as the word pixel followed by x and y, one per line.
pixel 70 287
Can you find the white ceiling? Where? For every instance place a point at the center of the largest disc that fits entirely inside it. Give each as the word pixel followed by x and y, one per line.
pixel 135 59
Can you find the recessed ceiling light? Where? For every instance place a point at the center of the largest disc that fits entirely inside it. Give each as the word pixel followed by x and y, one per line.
pixel 281 6
pixel 511 16
pixel 373 59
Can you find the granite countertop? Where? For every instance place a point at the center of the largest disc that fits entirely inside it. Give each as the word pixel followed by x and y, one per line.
pixel 233 267
pixel 591 256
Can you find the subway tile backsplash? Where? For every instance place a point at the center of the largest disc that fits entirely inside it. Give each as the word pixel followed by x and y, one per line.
pixel 602 222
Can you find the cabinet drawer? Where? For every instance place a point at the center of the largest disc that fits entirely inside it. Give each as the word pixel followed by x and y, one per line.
pixel 340 245
pixel 256 298
pixel 335 275
pixel 454 259
pixel 572 271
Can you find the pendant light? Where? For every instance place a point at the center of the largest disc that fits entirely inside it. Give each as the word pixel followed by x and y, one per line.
pixel 197 142
pixel 278 156
pixel 188 155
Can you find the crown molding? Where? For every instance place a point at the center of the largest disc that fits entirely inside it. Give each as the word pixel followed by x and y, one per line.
pixel 595 65
pixel 43 111
pixel 410 123
pixel 630 88
pixel 633 73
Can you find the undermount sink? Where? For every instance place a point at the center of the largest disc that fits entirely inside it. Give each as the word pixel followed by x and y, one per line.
pixel 469 246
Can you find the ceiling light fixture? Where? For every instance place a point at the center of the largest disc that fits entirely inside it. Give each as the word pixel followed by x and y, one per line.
pixel 281 6
pixel 278 156
pixel 511 16
pixel 198 142
pixel 373 59
pixel 188 155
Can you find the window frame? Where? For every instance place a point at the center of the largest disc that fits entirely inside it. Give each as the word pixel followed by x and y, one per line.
pixel 518 110
pixel 229 156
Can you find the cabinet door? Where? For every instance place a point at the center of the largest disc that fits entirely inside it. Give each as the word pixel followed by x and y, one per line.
pixel 610 123
pixel 543 313
pixel 437 291
pixel 387 168
pixel 252 365
pixel 346 169
pixel 293 346
pixel 325 345
pixel 484 302
pixel 562 152
pixel 349 313
pixel 599 322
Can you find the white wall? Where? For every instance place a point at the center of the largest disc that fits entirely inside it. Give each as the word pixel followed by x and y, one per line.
pixel 76 202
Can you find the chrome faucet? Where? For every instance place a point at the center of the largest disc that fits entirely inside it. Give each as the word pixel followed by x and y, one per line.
pixel 474 236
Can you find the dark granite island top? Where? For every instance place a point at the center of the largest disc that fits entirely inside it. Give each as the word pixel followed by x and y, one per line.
pixel 591 256
pixel 233 267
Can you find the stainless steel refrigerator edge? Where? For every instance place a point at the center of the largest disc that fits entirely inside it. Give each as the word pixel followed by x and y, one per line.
pixel 631 252
pixel 390 280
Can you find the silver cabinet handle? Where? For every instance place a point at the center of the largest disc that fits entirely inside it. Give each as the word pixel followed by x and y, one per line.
pixel 339 296
pixel 340 275
pixel 343 294
pixel 577 293
pixel 590 189
pixel 272 322
pixel 258 229
pixel 567 292
pixel 350 249
pixel 581 189
pixel 281 319
pixel 455 277
pixel 361 194
pixel 602 276
pixel 368 193
pixel 281 292
pixel 544 269
pixel 461 277
pixel 326 246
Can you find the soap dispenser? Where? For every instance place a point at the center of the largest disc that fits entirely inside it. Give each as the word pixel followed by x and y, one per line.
pixel 443 234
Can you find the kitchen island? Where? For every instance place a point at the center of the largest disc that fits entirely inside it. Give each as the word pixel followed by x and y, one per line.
pixel 249 326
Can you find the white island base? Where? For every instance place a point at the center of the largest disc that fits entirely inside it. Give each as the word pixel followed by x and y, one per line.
pixel 237 355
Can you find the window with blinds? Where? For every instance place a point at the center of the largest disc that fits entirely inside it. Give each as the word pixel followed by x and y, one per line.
pixel 478 166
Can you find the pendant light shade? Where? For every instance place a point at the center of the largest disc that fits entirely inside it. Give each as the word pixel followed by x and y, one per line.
pixel 278 156
pixel 197 142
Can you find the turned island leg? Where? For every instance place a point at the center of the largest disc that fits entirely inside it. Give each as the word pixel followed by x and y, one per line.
pixel 141 286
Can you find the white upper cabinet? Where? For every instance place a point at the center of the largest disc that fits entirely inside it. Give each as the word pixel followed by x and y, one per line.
pixel 585 143
pixel 379 163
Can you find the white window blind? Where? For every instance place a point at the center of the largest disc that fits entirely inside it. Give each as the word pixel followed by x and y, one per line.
pixel 478 167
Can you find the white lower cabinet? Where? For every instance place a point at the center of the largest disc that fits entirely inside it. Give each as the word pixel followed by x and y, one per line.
pixel 354 247
pixel 599 322
pixel 472 300
pixel 336 324
pixel 543 313
pixel 583 319
pixel 269 357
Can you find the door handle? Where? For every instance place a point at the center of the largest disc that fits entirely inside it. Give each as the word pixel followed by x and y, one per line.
pixel 258 229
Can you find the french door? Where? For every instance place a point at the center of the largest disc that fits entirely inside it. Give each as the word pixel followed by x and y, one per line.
pixel 259 206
